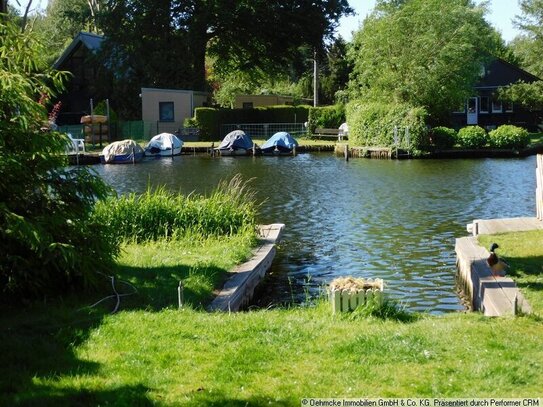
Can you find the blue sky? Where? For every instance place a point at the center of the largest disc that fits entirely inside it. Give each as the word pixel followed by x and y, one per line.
pixel 500 16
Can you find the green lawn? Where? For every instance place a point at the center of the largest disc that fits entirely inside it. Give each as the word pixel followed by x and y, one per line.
pixel 152 353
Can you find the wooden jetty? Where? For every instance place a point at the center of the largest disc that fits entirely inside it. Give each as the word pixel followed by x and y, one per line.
pixel 493 295
pixel 238 290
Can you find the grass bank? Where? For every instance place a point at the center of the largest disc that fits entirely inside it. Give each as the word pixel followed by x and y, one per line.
pixel 523 251
pixel 276 357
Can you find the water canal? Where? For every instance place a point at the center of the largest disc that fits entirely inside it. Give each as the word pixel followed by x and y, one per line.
pixel 396 220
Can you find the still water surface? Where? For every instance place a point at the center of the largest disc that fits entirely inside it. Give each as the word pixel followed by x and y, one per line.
pixel 396 220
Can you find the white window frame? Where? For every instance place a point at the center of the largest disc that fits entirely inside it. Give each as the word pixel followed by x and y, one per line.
pixel 500 110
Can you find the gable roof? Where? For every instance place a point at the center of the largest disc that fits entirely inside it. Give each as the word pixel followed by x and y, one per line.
pixel 91 41
pixel 500 73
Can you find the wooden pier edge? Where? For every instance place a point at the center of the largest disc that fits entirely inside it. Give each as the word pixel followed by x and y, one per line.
pixel 492 295
pixel 239 289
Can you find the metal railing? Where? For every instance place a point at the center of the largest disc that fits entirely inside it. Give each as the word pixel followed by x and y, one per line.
pixel 265 130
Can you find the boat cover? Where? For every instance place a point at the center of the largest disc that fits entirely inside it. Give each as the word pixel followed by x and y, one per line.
pixel 120 148
pixel 235 140
pixel 280 139
pixel 162 142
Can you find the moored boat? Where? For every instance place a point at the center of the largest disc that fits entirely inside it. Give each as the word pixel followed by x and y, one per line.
pixel 237 143
pixel 281 143
pixel 122 152
pixel 164 145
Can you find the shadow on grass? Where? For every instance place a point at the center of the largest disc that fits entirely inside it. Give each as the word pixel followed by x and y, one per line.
pixel 38 345
pixel 158 286
pixel 525 270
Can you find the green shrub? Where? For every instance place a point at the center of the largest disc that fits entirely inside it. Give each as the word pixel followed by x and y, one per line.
pixel 158 214
pixel 372 124
pixel 472 137
pixel 509 136
pixel 442 137
pixel 329 117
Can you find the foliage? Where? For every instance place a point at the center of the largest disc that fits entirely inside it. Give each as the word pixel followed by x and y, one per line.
pixel 335 75
pixel 442 137
pixel 372 125
pixel 528 47
pixel 159 214
pixel 329 117
pixel 472 137
pixel 383 308
pixel 527 95
pixel 425 53
pixel 179 37
pixel 509 136
pixel 209 120
pixel 101 109
pixel 49 242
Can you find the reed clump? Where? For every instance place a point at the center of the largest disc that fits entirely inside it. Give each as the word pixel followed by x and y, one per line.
pixel 157 214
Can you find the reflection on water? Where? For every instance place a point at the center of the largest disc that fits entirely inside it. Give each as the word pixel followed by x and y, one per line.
pixel 369 218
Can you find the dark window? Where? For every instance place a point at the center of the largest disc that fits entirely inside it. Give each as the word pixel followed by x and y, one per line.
pixel 484 107
pixel 247 105
pixel 496 106
pixel 165 111
pixel 508 107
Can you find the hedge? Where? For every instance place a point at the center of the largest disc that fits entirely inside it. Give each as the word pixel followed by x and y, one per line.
pixel 442 137
pixel 209 120
pixel 509 136
pixel 472 137
pixel 329 117
pixel 372 125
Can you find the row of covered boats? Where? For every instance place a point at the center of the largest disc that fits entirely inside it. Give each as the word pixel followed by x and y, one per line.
pixel 235 143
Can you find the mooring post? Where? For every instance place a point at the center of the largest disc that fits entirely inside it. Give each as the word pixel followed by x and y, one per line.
pixel 212 149
pixel 133 155
pixel 346 152
pixel 180 294
pixel 294 150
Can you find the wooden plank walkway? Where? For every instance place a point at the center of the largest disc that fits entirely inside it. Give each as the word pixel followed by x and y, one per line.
pixel 493 226
pixel 239 289
pixel 493 295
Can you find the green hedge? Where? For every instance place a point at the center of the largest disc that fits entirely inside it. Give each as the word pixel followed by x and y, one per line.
pixel 209 120
pixel 472 137
pixel 328 117
pixel 372 125
pixel 442 137
pixel 509 136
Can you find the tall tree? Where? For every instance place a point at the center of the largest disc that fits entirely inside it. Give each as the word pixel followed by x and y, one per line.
pixel 528 47
pixel 245 35
pixel 336 72
pixel 427 53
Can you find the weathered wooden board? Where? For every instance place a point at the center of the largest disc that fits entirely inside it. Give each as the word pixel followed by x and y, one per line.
pixel 239 289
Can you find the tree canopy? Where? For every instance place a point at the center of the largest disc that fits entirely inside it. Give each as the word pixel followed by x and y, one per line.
pixel 528 47
pixel 427 53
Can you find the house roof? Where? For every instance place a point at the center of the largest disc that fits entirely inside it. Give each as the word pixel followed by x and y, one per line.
pixel 91 41
pixel 500 73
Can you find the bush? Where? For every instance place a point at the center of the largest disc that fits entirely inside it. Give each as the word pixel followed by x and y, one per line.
pixel 442 137
pixel 472 137
pixel 372 124
pixel 329 117
pixel 509 136
pixel 49 243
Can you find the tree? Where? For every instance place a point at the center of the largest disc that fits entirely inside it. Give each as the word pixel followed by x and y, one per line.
pixel 166 42
pixel 336 72
pixel 426 53
pixel 49 241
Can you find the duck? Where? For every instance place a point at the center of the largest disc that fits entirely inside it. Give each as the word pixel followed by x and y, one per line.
pixel 497 265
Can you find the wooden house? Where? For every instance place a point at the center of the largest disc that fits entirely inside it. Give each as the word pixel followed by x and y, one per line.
pixel 78 59
pixel 485 109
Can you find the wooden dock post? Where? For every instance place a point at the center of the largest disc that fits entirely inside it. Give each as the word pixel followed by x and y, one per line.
pixel 346 152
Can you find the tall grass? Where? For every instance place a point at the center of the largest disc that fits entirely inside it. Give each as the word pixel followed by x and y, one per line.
pixel 230 209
